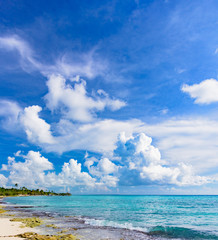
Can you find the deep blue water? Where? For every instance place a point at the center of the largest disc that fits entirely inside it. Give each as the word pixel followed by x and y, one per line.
pixel 186 217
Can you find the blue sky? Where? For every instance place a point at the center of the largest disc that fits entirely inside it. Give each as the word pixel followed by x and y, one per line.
pixel 109 96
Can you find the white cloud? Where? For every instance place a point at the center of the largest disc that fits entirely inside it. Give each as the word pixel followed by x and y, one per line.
pixel 16 43
pixel 74 101
pixel 83 64
pixel 191 141
pixel 182 175
pixel 110 181
pixel 205 92
pixel 137 149
pixel 72 175
pixel 142 164
pixel 9 111
pixel 27 58
pixel 37 130
pixel 137 163
pixel 36 171
pixel 29 173
pixel 99 136
pixel 103 167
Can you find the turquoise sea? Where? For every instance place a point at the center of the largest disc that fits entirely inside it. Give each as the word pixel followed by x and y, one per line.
pixel 128 217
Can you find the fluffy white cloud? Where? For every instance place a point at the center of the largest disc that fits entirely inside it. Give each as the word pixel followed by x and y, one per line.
pixel 73 99
pixel 31 172
pixel 110 181
pixel 72 175
pixel 137 163
pixel 191 141
pixel 182 175
pixel 205 92
pixel 142 164
pixel 103 167
pixel 37 130
pixel 36 171
pixel 137 147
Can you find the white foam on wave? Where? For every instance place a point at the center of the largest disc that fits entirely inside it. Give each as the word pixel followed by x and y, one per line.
pixel 106 223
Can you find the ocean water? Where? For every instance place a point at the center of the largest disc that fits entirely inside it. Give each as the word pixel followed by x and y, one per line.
pixel 145 217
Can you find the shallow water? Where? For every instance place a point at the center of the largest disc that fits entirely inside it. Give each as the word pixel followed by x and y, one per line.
pixel 129 217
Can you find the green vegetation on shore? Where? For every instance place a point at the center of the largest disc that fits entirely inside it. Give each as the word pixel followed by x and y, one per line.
pixel 28 222
pixel 2 210
pixel 35 236
pixel 28 192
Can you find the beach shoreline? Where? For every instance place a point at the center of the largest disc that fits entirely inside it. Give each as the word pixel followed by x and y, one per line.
pixel 9 230
pixel 51 226
pixel 96 217
pixel 17 226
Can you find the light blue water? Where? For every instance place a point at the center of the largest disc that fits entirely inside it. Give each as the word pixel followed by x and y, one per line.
pixel 187 217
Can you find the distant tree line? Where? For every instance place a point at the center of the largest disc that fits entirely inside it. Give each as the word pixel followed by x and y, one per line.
pixel 23 191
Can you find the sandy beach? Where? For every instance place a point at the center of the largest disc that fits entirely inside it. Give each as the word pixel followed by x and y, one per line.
pixel 10 229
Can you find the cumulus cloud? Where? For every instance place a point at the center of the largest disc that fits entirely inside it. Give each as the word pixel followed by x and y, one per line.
pixel 205 92
pixel 142 164
pixel 135 162
pixel 73 99
pixel 72 175
pixel 102 167
pixel 37 171
pixel 37 130
pixel 137 147
pixel 31 172
pixel 182 175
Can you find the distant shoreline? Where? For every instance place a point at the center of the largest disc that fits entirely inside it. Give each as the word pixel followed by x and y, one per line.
pixel 15 192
